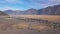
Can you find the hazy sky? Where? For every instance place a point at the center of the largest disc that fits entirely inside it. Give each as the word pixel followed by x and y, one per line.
pixel 26 4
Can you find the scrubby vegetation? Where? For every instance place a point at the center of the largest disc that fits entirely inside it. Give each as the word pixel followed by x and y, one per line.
pixel 27 23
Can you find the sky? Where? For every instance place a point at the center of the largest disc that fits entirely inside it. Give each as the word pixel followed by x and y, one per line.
pixel 26 4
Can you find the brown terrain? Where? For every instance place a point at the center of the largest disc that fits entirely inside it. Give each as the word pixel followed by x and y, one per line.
pixel 29 24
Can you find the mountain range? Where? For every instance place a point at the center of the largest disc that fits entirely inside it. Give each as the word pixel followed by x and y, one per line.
pixel 50 10
pixel 3 14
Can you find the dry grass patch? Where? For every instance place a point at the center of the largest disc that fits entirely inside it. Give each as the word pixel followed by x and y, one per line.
pixel 21 26
pixel 45 17
pixel 41 27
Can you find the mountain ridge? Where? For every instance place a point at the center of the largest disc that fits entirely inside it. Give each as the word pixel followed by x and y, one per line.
pixel 3 14
pixel 51 10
